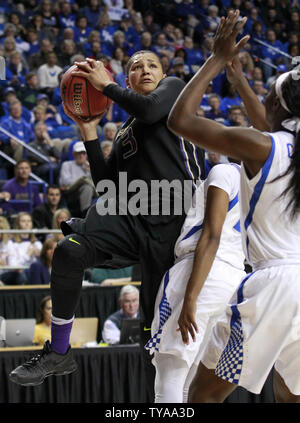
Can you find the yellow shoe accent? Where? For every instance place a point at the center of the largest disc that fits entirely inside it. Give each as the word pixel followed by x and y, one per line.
pixel 73 240
pixel 145 329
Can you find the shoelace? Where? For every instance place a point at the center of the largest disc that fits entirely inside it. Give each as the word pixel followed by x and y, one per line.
pixel 38 356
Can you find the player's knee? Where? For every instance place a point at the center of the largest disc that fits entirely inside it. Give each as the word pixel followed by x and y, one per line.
pixel 71 252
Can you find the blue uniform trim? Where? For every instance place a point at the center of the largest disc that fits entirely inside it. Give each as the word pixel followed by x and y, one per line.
pixel 233 202
pixel 164 313
pixel 193 231
pixel 258 190
pixel 229 366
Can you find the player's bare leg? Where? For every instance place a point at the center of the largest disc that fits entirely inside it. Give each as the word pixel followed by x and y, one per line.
pixel 207 387
pixel 281 391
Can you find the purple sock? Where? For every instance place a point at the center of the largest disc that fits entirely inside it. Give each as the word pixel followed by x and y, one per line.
pixel 60 337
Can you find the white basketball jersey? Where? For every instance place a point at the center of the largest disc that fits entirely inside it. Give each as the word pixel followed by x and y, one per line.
pixel 267 230
pixel 227 178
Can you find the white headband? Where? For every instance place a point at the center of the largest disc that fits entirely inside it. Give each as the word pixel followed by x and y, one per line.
pixel 278 89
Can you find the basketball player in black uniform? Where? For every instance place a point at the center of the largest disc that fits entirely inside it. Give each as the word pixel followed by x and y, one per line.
pixel 146 150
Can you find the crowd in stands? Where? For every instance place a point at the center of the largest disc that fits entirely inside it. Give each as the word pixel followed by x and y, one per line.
pixel 40 39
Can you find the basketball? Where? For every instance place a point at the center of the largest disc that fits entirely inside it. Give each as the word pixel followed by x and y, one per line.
pixel 80 97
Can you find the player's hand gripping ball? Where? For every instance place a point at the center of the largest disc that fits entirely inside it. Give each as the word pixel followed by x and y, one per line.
pixel 80 97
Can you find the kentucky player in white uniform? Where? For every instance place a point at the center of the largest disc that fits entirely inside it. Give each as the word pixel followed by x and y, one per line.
pixel 261 327
pixel 208 268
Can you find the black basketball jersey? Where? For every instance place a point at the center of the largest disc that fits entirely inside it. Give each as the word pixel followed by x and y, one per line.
pixel 144 147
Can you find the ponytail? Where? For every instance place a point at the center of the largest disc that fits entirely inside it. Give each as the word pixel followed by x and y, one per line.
pixel 293 187
pixel 291 95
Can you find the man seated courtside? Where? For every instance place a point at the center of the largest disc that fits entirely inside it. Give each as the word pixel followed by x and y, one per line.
pixel 129 306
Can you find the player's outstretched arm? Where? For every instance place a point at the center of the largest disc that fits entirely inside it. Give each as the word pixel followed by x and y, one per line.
pixel 248 145
pixel 207 246
pixel 255 109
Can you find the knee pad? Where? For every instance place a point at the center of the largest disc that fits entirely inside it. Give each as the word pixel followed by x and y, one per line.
pixel 72 254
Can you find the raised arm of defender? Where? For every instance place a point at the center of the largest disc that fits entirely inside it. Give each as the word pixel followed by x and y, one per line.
pixel 248 145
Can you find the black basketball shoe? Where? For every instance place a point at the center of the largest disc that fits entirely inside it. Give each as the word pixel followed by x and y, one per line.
pixel 43 364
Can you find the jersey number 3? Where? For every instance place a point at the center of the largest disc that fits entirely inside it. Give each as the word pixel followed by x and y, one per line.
pixel 129 144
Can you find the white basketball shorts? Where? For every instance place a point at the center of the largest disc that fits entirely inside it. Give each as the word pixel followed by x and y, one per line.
pixel 260 328
pixel 218 289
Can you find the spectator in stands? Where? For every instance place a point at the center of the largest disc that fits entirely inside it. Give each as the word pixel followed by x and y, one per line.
pixel 269 54
pixel 179 37
pixel 19 128
pixel 39 271
pixel 26 248
pixel 4 197
pixel 132 28
pixel 180 69
pixel 149 23
pixel 67 34
pixel 89 47
pixel 146 41
pixel 18 187
pixel 211 160
pixel 75 181
pixel 119 40
pixel 194 56
pixel 10 30
pixel 81 29
pixel 259 89
pixel 9 46
pixel 161 47
pixel 66 18
pixel 116 62
pixel 212 20
pixel 15 19
pixel 236 117
pixel 48 73
pixel 61 215
pixel 10 96
pixel 106 28
pixel 43 214
pixel 129 305
pixel 168 30
pixel 166 63
pixel 46 9
pixel 206 47
pixel 247 64
pixel 258 74
pixel 42 330
pixel 59 133
pixel 215 113
pixel 44 145
pixel 67 50
pixel 39 59
pixel 188 12
pixel 106 147
pixel 29 92
pixel 294 23
pixel 37 23
pixel 6 246
pixel 16 65
pixel 92 12
pixel 34 42
pixel 231 98
pixel 109 131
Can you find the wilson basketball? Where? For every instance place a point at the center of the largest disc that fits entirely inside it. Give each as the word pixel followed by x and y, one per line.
pixel 80 97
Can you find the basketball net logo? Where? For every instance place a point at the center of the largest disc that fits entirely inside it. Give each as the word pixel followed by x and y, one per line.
pixel 2 69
